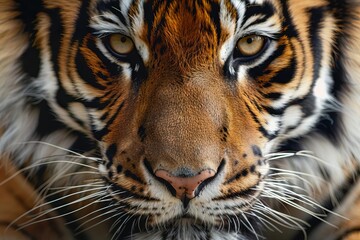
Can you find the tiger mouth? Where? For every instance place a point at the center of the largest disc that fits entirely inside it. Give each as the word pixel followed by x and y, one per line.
pixel 226 221
pixel 207 210
pixel 223 219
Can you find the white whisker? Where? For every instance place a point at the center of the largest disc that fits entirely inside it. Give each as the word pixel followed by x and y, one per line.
pixel 46 187
pixel 102 221
pixel 92 212
pixel 63 190
pixel 252 228
pixel 64 149
pixel 264 221
pixel 31 222
pixel 41 164
pixel 295 173
pixel 120 228
pixel 39 215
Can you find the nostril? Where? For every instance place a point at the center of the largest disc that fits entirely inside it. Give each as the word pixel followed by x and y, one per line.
pixel 203 184
pixel 168 185
pixel 186 186
pixel 163 181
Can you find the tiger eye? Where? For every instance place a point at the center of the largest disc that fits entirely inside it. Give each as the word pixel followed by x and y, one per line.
pixel 121 44
pixel 251 45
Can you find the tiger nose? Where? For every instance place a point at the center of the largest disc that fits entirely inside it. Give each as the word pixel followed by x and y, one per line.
pixel 188 186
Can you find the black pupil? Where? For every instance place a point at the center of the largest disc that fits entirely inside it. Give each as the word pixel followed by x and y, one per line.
pixel 123 39
pixel 249 40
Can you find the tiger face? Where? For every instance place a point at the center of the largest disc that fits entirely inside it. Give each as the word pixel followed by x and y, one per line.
pixel 186 99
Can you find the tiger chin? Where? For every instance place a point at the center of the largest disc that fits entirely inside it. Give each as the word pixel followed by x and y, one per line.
pixel 209 119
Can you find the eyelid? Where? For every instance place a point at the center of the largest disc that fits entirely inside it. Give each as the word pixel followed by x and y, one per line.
pixel 271 36
pixel 114 53
pixel 246 60
pixel 251 45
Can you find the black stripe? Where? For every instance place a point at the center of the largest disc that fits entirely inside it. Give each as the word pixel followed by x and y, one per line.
pixel 64 99
pixel 137 76
pixel 56 30
pixel 257 71
pixel 111 152
pixel 86 73
pixel 307 104
pixel 113 7
pixel 149 17
pixel 215 17
pixel 237 176
pixel 256 104
pixel 157 28
pixel 316 21
pixel 273 96
pixel 286 74
pixel 101 133
pixel 47 121
pixel 261 129
pixel 242 194
pixel 288 24
pixel 265 11
pixel 100 104
pixel 226 69
pixel 83 144
pixel 82 22
pixel 142 133
pixel 28 12
pixel 330 125
pixel 112 100
pixel 131 175
pixel 274 111
pixel 31 60
pixel 31 57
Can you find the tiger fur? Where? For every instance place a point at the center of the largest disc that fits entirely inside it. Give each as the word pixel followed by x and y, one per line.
pixel 107 106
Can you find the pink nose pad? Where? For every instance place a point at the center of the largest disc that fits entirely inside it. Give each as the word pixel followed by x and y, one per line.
pixel 185 186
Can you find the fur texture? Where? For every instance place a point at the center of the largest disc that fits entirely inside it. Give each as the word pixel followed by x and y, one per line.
pixel 89 127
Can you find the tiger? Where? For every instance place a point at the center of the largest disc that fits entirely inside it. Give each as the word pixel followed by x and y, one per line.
pixel 206 119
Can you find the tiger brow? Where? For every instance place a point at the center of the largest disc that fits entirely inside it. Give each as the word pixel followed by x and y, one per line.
pixel 263 12
pixel 112 7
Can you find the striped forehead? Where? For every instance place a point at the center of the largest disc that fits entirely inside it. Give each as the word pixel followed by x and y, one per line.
pixel 236 17
pixel 127 14
pixel 111 16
